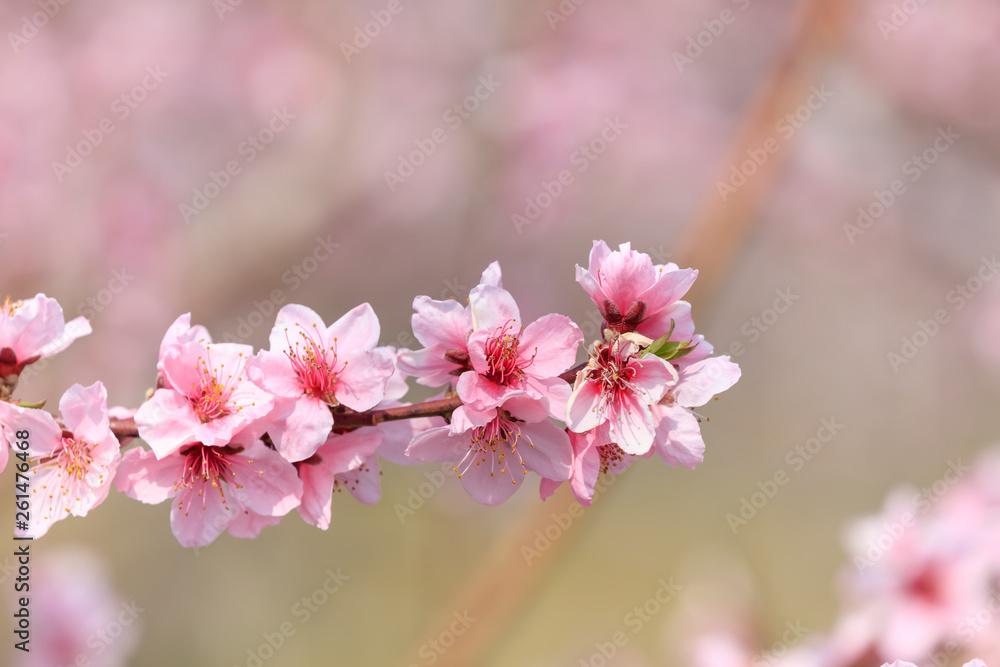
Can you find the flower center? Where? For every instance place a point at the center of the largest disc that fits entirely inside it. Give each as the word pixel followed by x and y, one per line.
pixel 210 397
pixel 615 375
pixel 494 443
pixel 214 467
pixel 72 461
pixel 8 307
pixel 505 367
pixel 315 365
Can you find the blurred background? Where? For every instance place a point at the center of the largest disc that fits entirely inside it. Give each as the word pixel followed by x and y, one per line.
pixel 830 167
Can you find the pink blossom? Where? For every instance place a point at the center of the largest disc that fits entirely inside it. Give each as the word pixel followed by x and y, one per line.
pixel 507 360
pixel 311 367
pixel 593 455
pixel 214 487
pixel 71 467
pixel 618 387
pixel 343 462
pixel 443 328
pixel 699 377
pixel 495 448
pixel 85 621
pixel 210 398
pixel 915 576
pixel 633 294
pixel 33 329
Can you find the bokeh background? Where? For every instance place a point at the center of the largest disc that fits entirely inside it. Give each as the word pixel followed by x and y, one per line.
pixel 317 123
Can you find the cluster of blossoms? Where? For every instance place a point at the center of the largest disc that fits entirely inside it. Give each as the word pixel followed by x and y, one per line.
pixel 239 438
pixel 923 584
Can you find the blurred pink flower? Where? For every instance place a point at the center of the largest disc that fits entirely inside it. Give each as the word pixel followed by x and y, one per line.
pixel 83 620
pixel 34 329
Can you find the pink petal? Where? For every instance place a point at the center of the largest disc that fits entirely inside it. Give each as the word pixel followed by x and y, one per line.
pixel 304 425
pixel 529 409
pixel 670 286
pixel 143 477
pixel 290 320
pixel 361 385
pixel 166 422
pixel 275 490
pixel 445 323
pixel 704 379
pixel 364 482
pixel 632 426
pixel 658 324
pixel 581 410
pixel 272 371
pixel 678 436
pixel 357 330
pixel 492 490
pixel 197 526
pixel 349 451
pixel 428 365
pixel 317 484
pixel 45 434
pixel 491 276
pixel 625 274
pixel 653 376
pixel 436 444
pixel 551 343
pixel 84 411
pixel 546 450
pixel 492 308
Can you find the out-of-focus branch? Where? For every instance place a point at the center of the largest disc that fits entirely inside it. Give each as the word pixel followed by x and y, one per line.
pixel 712 242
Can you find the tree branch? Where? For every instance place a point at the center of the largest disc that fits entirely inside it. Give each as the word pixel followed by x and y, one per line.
pixel 345 419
